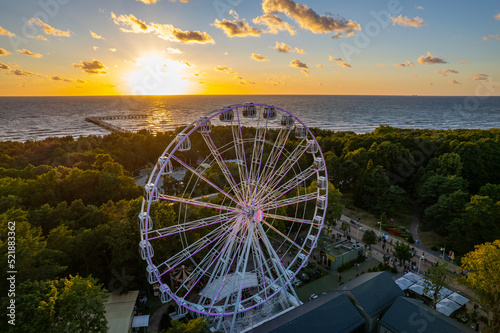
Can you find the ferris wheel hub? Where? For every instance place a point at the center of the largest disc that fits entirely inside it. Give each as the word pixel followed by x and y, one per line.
pixel 257 216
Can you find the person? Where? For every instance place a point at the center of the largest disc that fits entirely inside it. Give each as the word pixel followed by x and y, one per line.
pixel 340 278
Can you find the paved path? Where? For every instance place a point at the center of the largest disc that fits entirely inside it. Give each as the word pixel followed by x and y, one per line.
pixel 414 227
pixel 378 251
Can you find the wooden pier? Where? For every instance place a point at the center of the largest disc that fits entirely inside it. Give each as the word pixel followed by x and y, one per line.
pixel 100 121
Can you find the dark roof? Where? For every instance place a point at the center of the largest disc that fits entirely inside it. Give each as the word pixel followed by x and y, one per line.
pixel 331 313
pixel 373 291
pixel 411 316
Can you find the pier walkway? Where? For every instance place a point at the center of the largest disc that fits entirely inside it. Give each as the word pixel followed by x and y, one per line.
pixel 100 121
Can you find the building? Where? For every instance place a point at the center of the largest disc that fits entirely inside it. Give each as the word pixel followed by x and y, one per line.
pixel 409 315
pixel 330 313
pixel 372 294
pixel 340 253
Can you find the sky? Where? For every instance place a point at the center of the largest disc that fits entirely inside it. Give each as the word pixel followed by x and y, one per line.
pixel 170 47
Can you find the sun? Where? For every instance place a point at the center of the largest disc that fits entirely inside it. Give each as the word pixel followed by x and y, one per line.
pixel 155 75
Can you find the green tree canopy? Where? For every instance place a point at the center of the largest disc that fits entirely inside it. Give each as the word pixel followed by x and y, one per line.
pixel 369 238
pixel 73 304
pixel 483 277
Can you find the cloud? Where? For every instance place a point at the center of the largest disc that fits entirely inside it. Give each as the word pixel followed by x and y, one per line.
pixel 282 47
pixel 48 29
pixel 429 59
pixel 231 71
pixel 381 65
pixel 340 62
pixel 4 52
pixel 307 18
pixel 259 57
pixel 497 37
pixel 274 24
pixel 6 32
pixel 454 82
pixel 38 37
pixel 402 65
pixel 298 64
pixel 58 78
pixel 92 67
pixel 29 53
pixel 236 27
pixel 147 2
pixel 342 35
pixel 131 24
pixel 22 72
pixel 479 77
pixel 170 33
pixel 95 48
pixel 446 72
pixel 463 62
pixel 4 66
pixel 497 16
pixel 301 51
pixel 420 7
pixel 112 49
pixel 406 22
pixel 319 66
pixel 171 50
pixel 96 36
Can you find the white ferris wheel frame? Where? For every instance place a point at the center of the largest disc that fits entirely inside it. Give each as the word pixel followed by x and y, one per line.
pixel 251 212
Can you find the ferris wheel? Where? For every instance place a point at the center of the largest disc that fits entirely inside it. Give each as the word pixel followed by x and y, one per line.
pixel 232 210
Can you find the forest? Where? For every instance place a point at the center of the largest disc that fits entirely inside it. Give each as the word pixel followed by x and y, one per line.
pixel 75 201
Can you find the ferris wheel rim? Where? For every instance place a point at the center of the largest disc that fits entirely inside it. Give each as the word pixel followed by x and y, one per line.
pixel 187 131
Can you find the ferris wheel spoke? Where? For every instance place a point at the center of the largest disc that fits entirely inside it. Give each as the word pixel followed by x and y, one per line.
pixel 197 203
pixel 257 152
pixel 284 236
pixel 289 201
pixel 223 166
pixel 191 225
pixel 195 247
pixel 205 179
pixel 291 219
pixel 239 147
pixel 296 181
pixel 274 156
pixel 224 262
pixel 287 165
pixel 206 263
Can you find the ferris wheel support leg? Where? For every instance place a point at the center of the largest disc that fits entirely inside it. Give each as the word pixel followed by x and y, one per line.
pixel 278 265
pixel 243 260
pixel 226 270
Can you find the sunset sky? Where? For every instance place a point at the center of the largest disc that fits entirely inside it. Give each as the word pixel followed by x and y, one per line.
pixel 155 47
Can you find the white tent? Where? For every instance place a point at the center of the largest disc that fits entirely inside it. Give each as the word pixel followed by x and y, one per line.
pixel 447 306
pixel 457 298
pixel 230 284
pixel 140 321
pixel 412 277
pixel 403 283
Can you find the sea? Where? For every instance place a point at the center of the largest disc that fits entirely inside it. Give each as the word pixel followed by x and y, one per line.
pixel 37 118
